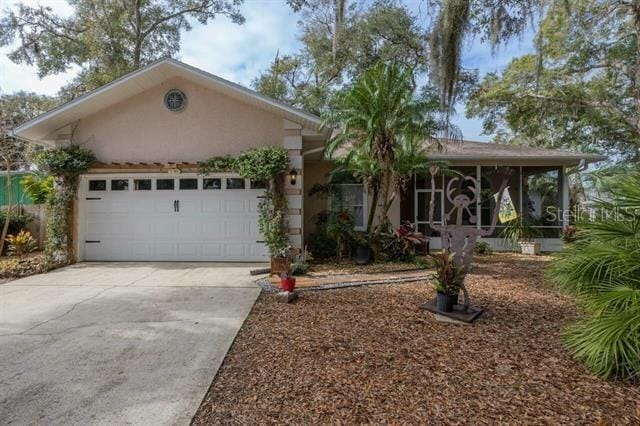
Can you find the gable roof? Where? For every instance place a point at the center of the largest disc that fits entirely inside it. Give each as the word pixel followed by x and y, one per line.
pixel 42 127
pixel 486 151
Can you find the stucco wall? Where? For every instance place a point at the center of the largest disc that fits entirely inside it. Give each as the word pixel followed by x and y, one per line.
pixel 142 129
pixel 316 172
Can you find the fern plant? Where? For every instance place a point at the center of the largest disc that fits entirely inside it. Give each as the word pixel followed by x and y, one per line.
pixel 602 267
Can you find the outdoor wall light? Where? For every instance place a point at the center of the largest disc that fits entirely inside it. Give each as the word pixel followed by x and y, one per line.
pixel 293 174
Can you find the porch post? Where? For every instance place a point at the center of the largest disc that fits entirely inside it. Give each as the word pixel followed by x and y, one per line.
pixel 478 197
pixel 565 197
pixel 292 142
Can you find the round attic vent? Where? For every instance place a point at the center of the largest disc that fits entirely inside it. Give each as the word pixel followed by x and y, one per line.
pixel 175 100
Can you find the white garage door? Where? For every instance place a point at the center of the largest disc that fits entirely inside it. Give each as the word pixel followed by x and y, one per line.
pixel 170 218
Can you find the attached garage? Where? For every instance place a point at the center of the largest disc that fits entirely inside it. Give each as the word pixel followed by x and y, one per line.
pixel 143 199
pixel 162 217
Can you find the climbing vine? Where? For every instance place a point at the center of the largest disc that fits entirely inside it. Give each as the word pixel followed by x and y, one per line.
pixel 261 164
pixel 65 165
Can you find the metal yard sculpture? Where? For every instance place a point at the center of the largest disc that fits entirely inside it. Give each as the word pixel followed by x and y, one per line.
pixel 459 239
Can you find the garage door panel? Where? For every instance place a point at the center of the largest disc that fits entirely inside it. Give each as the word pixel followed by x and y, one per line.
pixel 188 250
pixel 236 251
pixel 211 206
pixel 209 225
pixel 213 250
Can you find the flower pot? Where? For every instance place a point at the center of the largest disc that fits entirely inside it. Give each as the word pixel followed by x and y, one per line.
pixel 530 247
pixel 288 284
pixel 280 265
pixel 363 254
pixel 445 302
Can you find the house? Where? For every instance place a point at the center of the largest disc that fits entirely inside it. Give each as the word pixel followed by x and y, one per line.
pixel 144 200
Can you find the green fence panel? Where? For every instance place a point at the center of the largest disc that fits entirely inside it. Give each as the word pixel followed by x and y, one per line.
pixel 18 196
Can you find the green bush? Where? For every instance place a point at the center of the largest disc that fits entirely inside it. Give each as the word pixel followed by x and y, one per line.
pixel 482 248
pixel 602 267
pixel 17 222
pixel 217 165
pixel 321 245
pixel 39 188
pixel 263 163
pixel 70 161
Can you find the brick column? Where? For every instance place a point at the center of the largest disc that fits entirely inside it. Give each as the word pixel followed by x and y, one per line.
pixel 292 142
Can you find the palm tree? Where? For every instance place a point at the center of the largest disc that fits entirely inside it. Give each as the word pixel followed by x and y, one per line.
pixel 377 115
pixel 603 269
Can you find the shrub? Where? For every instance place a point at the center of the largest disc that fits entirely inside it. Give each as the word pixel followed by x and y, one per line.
pixel 482 248
pixel 70 161
pixel 17 222
pixel 216 165
pixel 21 244
pixel 16 267
pixel 272 223
pixel 402 243
pixel 321 245
pixel 602 267
pixel 569 234
pixel 39 188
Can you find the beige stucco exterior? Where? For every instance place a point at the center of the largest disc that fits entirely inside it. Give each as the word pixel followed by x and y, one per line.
pixel 142 129
pixel 317 172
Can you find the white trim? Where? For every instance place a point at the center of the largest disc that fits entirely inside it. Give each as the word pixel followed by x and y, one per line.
pixel 365 205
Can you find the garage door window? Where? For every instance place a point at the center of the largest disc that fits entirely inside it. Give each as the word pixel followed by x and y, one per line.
pixel 188 184
pixel 212 183
pixel 165 184
pixel 120 184
pixel 258 184
pixel 235 183
pixel 97 185
pixel 142 184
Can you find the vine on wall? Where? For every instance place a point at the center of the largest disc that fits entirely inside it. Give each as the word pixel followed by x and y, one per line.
pixel 65 165
pixel 263 164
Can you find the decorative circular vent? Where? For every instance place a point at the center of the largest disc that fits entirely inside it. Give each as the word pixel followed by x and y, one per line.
pixel 175 100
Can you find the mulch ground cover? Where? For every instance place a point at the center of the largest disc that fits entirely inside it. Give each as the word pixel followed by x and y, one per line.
pixel 371 355
pixel 349 267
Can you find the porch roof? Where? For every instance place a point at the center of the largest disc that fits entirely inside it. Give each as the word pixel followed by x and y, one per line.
pixel 485 152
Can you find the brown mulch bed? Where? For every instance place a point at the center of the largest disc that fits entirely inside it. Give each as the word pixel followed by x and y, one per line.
pixel 12 268
pixel 348 267
pixel 370 355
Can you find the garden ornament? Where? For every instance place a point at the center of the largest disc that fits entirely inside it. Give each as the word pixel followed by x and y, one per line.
pixel 457 238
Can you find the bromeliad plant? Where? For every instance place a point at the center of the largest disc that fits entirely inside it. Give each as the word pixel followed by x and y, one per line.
pixel 21 244
pixel 602 268
pixel 403 242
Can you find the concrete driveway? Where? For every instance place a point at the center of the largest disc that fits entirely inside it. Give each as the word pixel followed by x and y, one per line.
pixel 117 343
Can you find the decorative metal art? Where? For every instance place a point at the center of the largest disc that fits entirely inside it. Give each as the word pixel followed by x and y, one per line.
pixel 458 238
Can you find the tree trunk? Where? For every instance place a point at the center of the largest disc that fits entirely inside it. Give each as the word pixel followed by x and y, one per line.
pixel 372 212
pixel 137 53
pixel 7 218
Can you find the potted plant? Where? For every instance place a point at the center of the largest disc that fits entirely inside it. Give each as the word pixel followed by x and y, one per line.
pixel 287 281
pixel 522 233
pixel 362 248
pixel 447 280
pixel 281 261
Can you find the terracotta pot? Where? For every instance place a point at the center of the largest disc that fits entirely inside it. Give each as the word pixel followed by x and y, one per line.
pixel 288 284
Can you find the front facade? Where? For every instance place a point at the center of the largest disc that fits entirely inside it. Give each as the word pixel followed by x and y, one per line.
pixel 144 200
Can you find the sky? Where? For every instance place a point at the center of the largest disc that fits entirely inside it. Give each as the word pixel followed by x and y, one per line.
pixel 240 52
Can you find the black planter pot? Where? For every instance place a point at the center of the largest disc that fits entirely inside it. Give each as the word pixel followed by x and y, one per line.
pixel 445 302
pixel 363 254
